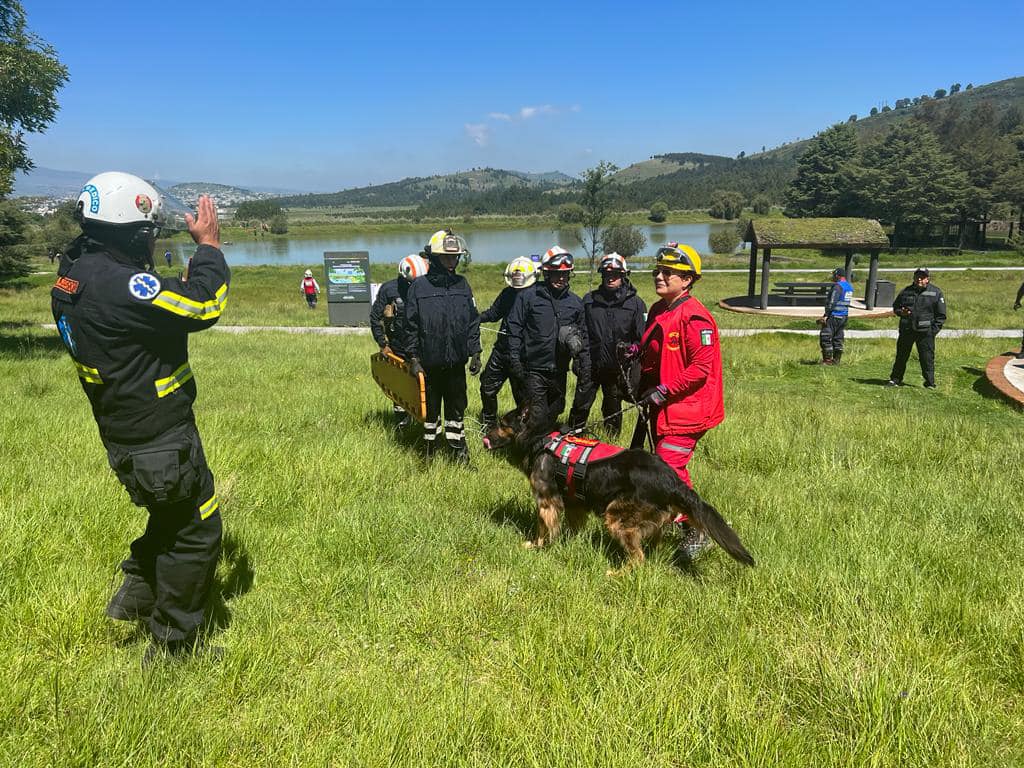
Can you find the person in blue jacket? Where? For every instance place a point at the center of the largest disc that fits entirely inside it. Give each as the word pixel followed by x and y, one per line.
pixel 833 321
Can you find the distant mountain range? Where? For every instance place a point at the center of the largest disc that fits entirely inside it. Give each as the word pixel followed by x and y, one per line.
pixel 681 179
pixel 63 185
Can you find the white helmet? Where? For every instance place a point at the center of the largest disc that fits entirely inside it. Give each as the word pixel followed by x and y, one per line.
pixel 413 266
pixel 308 273
pixel 521 272
pixel 115 199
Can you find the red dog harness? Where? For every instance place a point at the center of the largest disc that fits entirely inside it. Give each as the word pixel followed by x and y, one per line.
pixel 575 455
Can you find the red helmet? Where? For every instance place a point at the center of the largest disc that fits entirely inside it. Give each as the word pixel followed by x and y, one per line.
pixel 556 259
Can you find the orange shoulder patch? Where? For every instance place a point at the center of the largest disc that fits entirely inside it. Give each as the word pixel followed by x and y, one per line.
pixel 67 285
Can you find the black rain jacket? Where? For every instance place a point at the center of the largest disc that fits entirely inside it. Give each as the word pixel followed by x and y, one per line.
pixel 533 325
pixel 126 329
pixel 611 318
pixel 441 319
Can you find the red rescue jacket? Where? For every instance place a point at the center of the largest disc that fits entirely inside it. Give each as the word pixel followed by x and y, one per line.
pixel 680 350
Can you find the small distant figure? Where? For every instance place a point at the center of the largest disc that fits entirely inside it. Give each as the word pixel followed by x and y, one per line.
pixel 921 308
pixel 1016 305
pixel 309 288
pixel 833 321
pixel 53 255
pixel 169 258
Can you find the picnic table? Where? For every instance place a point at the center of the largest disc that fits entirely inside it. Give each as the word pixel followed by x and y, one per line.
pixel 790 292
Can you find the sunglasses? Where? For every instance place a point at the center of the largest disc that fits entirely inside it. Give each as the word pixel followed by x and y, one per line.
pixel 666 272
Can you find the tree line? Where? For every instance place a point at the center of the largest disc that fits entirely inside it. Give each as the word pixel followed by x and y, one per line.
pixel 943 165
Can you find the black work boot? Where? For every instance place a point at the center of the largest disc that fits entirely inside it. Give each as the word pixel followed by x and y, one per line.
pixel 826 357
pixel 837 356
pixel 461 453
pixel 134 600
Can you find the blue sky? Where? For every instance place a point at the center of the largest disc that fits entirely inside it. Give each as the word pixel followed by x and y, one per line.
pixel 328 95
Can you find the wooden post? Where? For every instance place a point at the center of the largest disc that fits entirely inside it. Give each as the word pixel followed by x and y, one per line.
pixel 765 269
pixel 849 263
pixel 752 281
pixel 869 294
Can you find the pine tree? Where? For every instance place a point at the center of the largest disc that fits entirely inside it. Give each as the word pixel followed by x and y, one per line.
pixel 819 188
pixel 905 179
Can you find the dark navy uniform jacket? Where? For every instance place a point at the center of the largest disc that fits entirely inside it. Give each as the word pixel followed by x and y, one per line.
pixel 927 309
pixel 393 292
pixel 126 330
pixel 441 319
pixel 533 325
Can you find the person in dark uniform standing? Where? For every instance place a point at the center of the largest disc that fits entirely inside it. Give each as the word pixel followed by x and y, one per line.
pixel 387 317
pixel 615 315
pixel 443 332
pixel 547 332
pixel 520 273
pixel 921 309
pixel 833 320
pixel 126 330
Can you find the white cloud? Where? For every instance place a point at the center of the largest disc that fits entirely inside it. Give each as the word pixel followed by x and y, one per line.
pixel 527 112
pixel 499 116
pixel 480 133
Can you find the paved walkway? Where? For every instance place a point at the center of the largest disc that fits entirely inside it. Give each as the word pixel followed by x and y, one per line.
pixel 1006 373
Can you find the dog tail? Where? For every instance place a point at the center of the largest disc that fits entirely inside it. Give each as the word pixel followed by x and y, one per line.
pixel 707 518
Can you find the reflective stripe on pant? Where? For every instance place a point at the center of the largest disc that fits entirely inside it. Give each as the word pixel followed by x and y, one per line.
pixel 178 552
pixel 446 387
pixel 677 450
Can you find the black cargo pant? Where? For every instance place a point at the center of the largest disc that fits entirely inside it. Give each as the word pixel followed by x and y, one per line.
pixel 493 377
pixel 545 391
pixel 446 387
pixel 610 383
pixel 905 341
pixel 177 554
pixel 831 336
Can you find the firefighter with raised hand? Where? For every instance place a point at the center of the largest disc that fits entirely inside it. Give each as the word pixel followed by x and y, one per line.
pixel 387 316
pixel 615 316
pixel 443 332
pixel 520 273
pixel 126 330
pixel 548 333
pixel 681 371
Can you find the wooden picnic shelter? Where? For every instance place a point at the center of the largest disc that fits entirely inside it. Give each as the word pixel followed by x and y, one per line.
pixel 848 235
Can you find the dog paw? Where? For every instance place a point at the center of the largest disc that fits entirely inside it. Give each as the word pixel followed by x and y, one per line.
pixel 529 545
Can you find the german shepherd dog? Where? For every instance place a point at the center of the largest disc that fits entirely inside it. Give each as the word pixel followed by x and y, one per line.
pixel 635 492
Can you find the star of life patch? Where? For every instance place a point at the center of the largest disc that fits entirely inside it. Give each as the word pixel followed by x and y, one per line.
pixel 143 285
pixel 707 337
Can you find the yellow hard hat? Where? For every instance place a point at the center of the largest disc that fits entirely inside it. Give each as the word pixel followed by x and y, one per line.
pixel 679 257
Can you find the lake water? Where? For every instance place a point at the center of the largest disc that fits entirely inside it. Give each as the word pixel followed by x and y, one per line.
pixel 486 246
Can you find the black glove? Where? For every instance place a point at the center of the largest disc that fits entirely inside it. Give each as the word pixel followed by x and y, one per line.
pixel 656 396
pixel 414 367
pixel 474 364
pixel 627 351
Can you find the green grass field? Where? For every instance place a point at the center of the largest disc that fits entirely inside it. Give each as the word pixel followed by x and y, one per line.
pixel 376 611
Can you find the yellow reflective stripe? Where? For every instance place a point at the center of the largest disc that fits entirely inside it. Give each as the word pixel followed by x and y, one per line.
pixel 88 374
pixel 164 387
pixel 186 307
pixel 208 508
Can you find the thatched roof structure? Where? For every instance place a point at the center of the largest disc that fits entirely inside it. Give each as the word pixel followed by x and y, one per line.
pixel 844 234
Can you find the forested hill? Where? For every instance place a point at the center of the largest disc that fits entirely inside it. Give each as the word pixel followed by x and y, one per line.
pixel 417 190
pixel 685 180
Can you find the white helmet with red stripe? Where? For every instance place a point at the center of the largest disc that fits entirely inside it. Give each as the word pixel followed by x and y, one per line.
pixel 613 262
pixel 556 259
pixel 412 266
